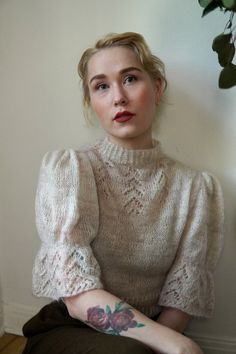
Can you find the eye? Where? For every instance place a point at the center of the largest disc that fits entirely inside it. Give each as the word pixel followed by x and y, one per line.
pixel 130 79
pixel 101 87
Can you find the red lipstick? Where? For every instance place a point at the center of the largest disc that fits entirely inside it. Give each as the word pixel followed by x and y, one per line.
pixel 123 117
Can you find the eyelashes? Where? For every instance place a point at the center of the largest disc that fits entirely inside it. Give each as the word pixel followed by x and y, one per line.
pixel 103 86
pixel 130 79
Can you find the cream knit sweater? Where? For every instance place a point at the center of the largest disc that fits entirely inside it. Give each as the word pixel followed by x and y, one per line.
pixel 134 222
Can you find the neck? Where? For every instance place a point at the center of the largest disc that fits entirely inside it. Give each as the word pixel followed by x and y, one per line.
pixel 135 143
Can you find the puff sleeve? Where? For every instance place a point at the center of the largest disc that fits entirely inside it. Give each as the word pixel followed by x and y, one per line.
pixel 189 283
pixel 67 222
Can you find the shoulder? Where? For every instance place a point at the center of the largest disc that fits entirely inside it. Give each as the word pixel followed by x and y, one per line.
pixel 61 159
pixel 56 164
pixel 178 168
pixel 196 179
pixel 56 158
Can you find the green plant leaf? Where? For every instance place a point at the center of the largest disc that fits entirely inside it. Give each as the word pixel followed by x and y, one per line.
pixel 227 77
pixel 204 3
pixel 211 7
pixel 226 55
pixel 225 49
pixel 229 4
pixel 221 41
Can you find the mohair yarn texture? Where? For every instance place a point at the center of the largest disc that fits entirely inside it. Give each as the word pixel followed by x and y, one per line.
pixel 134 222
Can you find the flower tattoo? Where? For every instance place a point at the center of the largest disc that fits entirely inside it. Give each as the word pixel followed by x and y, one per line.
pixel 121 319
pixel 98 318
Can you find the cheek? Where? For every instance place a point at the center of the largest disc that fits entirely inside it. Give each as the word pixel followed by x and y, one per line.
pixel 97 106
pixel 147 100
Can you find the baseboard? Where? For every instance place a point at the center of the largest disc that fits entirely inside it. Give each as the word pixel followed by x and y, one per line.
pixel 215 345
pixel 16 315
pixel 1 320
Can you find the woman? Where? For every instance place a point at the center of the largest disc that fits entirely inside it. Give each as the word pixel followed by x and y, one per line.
pixel 129 236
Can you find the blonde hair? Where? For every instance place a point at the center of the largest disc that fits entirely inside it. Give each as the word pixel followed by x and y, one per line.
pixel 135 41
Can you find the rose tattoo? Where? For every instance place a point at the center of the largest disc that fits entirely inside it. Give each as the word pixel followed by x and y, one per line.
pixel 121 319
pixel 98 318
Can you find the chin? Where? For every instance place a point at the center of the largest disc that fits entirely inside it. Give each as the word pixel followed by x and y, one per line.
pixel 127 134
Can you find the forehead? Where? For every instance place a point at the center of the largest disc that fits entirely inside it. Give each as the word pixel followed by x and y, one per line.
pixel 113 59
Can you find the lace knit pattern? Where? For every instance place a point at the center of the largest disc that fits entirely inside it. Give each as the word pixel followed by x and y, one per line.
pixel 134 222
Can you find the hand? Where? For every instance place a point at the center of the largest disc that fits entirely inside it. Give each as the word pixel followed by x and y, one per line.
pixel 176 343
pixel 189 347
pixel 174 319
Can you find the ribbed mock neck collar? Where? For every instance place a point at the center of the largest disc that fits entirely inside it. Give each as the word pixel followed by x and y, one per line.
pixel 116 153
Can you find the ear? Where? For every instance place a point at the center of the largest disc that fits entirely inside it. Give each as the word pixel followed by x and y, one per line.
pixel 160 86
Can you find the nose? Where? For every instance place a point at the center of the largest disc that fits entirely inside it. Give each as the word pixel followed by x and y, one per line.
pixel 120 98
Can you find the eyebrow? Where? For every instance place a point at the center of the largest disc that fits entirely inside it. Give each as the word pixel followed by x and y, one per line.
pixel 123 71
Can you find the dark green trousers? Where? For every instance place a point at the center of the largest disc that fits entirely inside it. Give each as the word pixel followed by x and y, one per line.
pixel 53 331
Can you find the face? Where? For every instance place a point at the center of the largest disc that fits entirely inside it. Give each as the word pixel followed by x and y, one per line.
pixel 123 96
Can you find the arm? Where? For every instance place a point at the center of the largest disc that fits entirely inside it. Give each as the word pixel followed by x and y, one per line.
pixel 174 319
pixel 189 283
pixel 97 309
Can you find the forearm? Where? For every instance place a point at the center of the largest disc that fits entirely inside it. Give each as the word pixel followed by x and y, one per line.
pixel 106 313
pixel 174 319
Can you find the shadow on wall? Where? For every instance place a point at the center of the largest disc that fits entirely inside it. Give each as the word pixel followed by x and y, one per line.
pixel 197 127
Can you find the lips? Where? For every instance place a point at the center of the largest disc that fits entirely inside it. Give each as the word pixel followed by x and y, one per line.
pixel 122 117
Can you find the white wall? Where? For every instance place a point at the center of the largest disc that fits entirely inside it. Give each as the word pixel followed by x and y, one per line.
pixel 1 262
pixel 40 44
